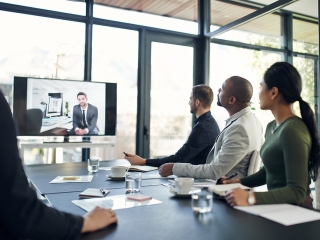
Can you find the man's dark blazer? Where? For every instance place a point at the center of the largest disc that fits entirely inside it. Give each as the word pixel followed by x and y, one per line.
pixel 22 215
pixel 92 117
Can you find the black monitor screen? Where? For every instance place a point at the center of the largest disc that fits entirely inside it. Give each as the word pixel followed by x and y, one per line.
pixel 46 107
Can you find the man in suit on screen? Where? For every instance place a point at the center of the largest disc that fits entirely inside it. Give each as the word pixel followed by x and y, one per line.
pixel 85 117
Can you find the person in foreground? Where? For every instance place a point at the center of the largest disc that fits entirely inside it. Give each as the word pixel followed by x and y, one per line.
pixel 22 215
pixel 234 146
pixel 201 138
pixel 290 153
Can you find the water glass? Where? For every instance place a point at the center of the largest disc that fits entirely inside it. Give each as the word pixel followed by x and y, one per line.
pixel 133 181
pixel 93 165
pixel 202 201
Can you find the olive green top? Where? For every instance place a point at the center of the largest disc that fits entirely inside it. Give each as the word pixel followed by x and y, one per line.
pixel 285 155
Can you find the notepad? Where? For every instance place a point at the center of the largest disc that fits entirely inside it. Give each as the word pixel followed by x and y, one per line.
pixel 133 168
pixel 138 168
pixel 223 188
pixel 93 193
pixel 75 179
pixel 139 197
pixel 284 214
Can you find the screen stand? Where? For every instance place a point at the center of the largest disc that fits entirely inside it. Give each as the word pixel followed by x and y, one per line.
pixel 85 151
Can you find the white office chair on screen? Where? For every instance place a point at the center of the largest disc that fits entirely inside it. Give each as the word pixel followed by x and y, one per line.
pixel 255 162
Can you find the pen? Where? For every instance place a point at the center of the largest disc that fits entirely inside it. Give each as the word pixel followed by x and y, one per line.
pixel 102 191
pixel 219 181
pixel 125 154
pixel 232 176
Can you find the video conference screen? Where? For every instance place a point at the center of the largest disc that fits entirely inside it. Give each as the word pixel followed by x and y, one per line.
pixel 46 107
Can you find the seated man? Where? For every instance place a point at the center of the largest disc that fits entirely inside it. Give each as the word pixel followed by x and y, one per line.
pixel 201 138
pixel 22 215
pixel 237 141
pixel 85 117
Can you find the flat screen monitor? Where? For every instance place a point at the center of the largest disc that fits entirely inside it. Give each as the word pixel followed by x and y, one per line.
pixel 47 107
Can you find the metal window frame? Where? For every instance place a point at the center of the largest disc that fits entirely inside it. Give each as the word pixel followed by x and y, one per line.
pixel 201 43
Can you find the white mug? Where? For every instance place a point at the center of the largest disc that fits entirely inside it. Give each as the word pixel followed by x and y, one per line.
pixel 118 171
pixel 184 185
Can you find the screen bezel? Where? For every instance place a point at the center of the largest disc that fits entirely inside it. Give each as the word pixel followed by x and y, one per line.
pixel 20 88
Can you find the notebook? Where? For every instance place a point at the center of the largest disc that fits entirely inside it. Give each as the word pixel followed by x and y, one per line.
pixel 93 193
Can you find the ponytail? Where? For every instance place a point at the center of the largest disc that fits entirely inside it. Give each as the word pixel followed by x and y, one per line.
pixel 309 120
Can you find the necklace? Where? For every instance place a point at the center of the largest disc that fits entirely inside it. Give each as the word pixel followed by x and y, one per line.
pixel 274 128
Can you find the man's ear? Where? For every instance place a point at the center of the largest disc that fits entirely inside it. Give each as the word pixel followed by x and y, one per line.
pixel 232 100
pixel 274 92
pixel 197 102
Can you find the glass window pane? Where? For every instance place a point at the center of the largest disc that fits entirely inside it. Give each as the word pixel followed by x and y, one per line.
pixel 75 7
pixel 171 85
pixel 228 61
pixel 264 31
pixel 306 69
pixel 305 37
pixel 115 59
pixel 39 47
pixel 181 16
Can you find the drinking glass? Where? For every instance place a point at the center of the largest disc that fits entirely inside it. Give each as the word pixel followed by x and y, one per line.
pixel 133 181
pixel 93 165
pixel 202 201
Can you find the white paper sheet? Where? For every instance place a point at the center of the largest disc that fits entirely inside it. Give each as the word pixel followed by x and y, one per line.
pixel 114 202
pixel 84 178
pixel 284 214
pixel 223 188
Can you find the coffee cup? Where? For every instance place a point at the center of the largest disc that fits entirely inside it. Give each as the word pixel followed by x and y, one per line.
pixel 184 185
pixel 118 171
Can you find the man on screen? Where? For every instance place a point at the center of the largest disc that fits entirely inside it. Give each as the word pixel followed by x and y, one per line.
pixel 85 117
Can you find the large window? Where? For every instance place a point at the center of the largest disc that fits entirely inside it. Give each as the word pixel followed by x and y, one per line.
pixel 39 47
pixel 264 31
pixel 305 37
pixel 171 85
pixel 228 61
pixel 306 68
pixel 115 59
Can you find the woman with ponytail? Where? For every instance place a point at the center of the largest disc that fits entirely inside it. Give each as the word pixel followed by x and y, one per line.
pixel 290 153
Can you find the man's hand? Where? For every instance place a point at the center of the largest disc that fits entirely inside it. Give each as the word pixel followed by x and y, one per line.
pixel 135 159
pixel 81 132
pixel 165 170
pixel 98 218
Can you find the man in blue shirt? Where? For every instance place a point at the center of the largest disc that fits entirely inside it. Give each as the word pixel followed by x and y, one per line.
pixel 201 138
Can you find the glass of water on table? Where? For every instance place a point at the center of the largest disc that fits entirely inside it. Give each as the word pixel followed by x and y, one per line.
pixel 93 165
pixel 133 182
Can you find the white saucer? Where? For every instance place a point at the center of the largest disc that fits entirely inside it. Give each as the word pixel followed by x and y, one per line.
pixel 115 178
pixel 175 192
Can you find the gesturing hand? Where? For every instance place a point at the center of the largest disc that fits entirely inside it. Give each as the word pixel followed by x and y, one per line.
pixel 135 159
pixel 165 170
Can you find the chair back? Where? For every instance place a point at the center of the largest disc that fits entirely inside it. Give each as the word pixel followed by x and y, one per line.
pixel 255 162
pixel 34 121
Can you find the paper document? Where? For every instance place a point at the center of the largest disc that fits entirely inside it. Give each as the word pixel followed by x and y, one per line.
pixel 66 179
pixel 156 176
pixel 114 202
pixel 285 214
pixel 135 168
pixel 204 182
pixel 223 188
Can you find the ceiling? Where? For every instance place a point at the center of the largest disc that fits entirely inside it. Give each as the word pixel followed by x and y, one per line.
pixel 224 12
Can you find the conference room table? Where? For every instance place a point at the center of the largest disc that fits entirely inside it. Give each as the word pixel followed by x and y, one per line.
pixel 173 218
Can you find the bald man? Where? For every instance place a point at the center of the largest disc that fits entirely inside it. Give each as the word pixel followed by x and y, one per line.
pixel 234 146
